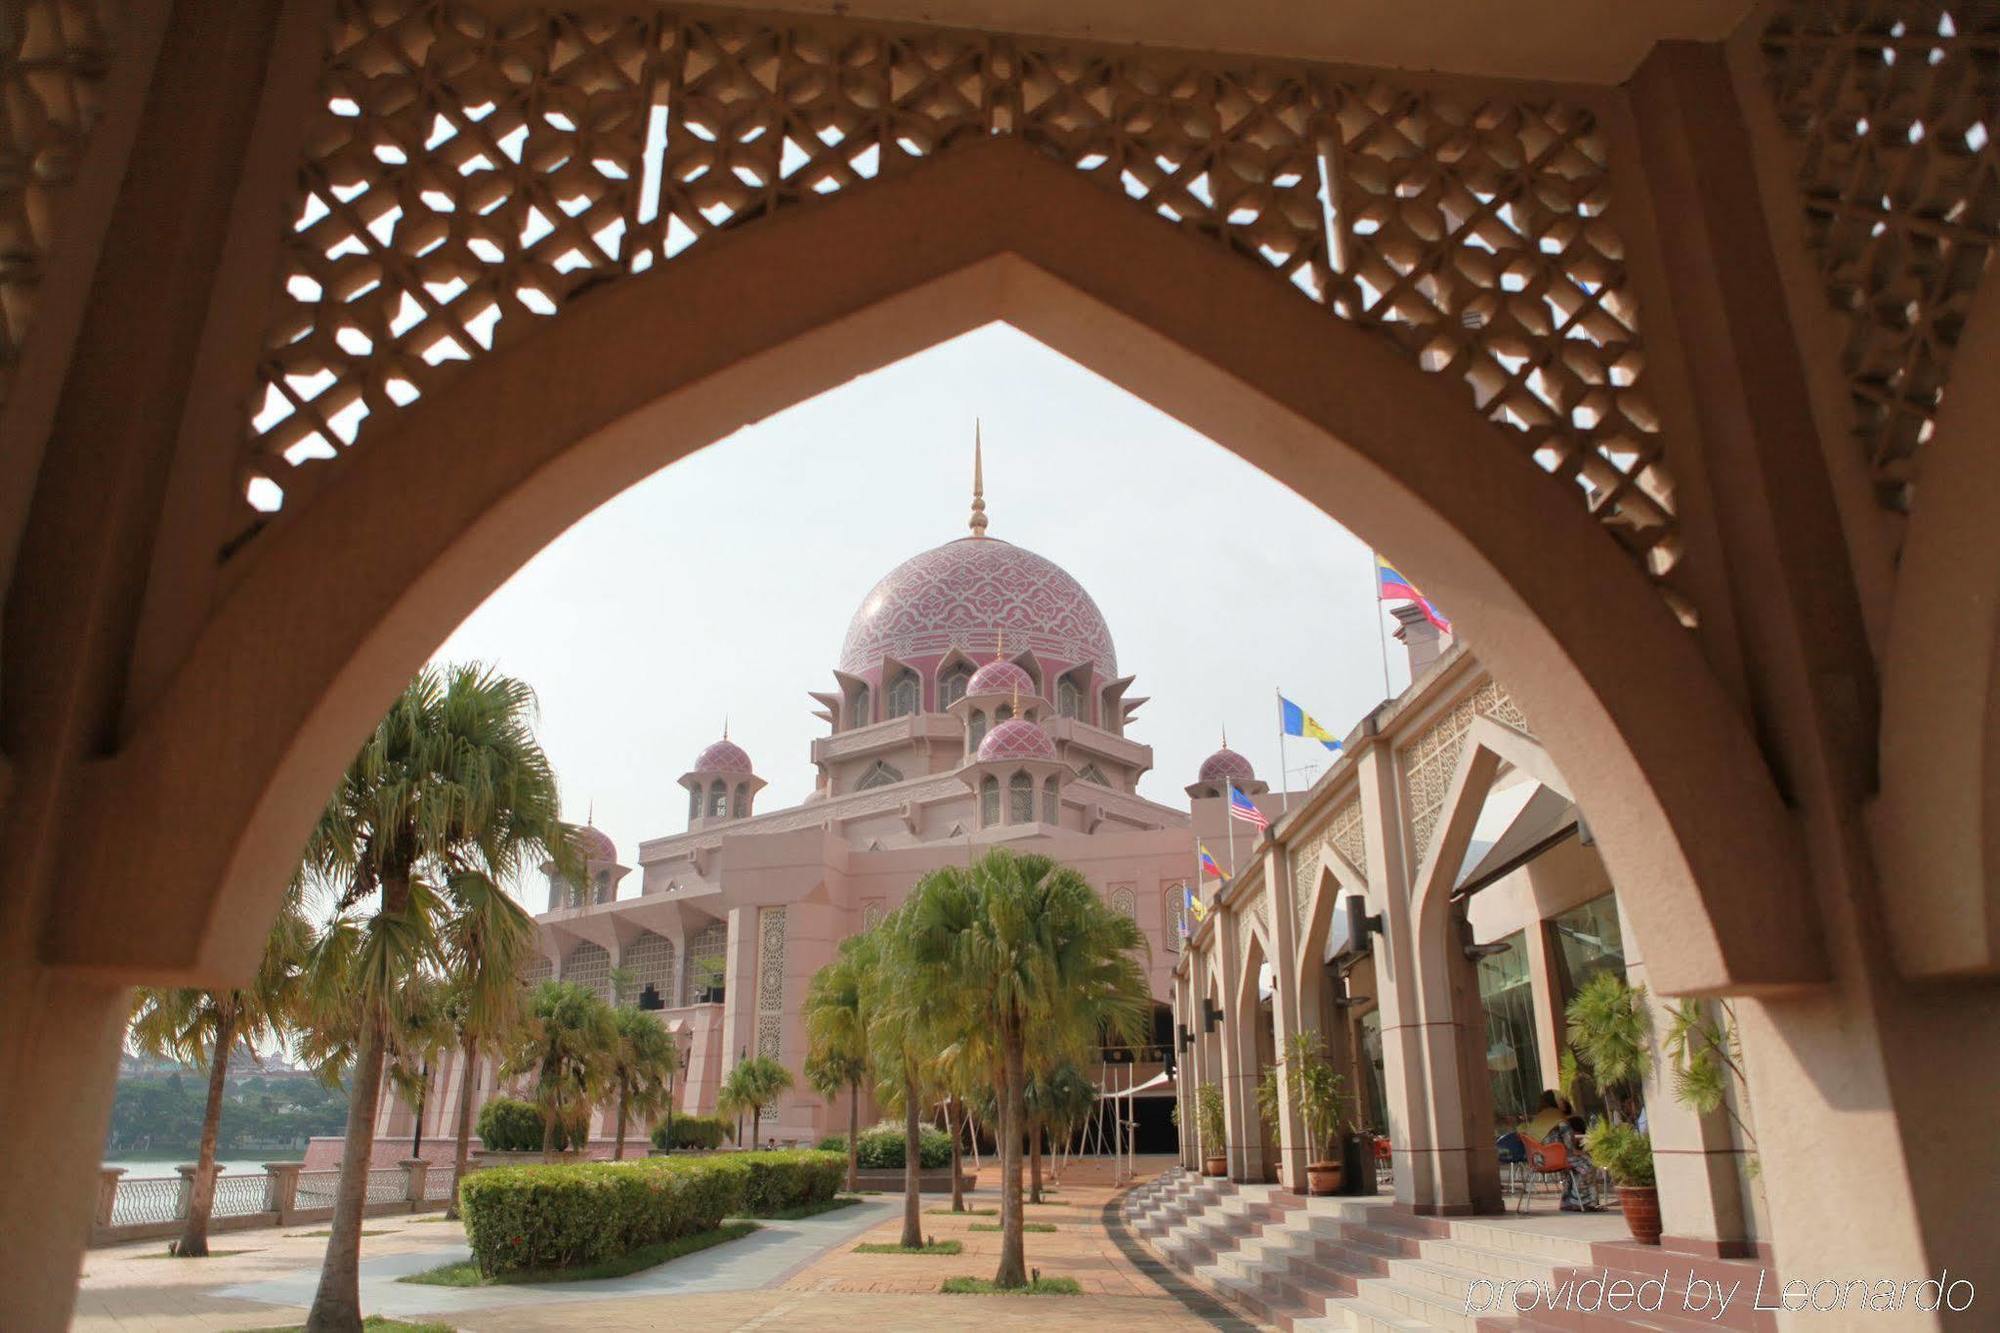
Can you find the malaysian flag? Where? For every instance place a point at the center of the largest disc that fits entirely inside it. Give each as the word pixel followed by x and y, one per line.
pixel 1240 807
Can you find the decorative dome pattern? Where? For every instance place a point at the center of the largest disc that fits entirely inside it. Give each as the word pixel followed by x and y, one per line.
pixel 596 844
pixel 1001 678
pixel 1226 763
pixel 723 757
pixel 1016 738
pixel 963 594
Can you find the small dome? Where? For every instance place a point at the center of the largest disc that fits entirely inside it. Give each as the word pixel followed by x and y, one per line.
pixel 596 844
pixel 1001 678
pixel 1016 738
pixel 1226 763
pixel 725 756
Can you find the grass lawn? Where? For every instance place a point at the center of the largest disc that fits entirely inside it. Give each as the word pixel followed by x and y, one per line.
pixel 465 1273
pixel 934 1247
pixel 804 1210
pixel 1025 1226
pixel 967 1212
pixel 1041 1286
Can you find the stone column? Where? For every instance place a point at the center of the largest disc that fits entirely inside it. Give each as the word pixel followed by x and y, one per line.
pixel 1239 1054
pixel 415 1171
pixel 188 1171
pixel 1396 980
pixel 281 1188
pixel 1289 1014
pixel 107 1193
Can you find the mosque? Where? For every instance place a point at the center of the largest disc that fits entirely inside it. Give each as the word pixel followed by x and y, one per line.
pixel 977 700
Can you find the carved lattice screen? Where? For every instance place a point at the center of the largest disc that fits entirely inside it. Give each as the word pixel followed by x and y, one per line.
pixel 1895 106
pixel 468 178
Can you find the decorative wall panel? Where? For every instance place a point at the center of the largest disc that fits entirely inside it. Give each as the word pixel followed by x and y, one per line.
pixel 1429 761
pixel 770 980
pixel 469 176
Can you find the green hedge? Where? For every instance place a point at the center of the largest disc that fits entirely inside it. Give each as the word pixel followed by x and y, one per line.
pixel 882 1147
pixel 569 1216
pixel 510 1125
pixel 695 1131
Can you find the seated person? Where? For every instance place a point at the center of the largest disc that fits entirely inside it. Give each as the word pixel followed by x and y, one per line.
pixel 1543 1123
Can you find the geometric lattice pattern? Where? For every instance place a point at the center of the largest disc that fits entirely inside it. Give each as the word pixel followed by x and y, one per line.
pixel 469 175
pixel 1428 762
pixel 53 56
pixel 770 980
pixel 589 966
pixel 707 955
pixel 1893 104
pixel 650 960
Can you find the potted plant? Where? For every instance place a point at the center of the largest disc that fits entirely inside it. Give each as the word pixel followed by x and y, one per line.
pixel 1320 1097
pixel 1628 1156
pixel 1209 1119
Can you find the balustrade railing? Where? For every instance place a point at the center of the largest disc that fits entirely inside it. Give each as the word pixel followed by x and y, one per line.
pixel 134 1208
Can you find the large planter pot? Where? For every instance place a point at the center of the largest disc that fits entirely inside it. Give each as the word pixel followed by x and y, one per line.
pixel 1642 1212
pixel 1323 1177
pixel 1215 1166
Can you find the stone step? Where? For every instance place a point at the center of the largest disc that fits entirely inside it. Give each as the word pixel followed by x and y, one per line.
pixel 1426 1305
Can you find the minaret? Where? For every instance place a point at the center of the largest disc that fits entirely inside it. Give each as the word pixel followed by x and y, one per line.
pixel 978 484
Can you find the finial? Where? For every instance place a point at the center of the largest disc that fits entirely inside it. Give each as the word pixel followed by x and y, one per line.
pixel 999 645
pixel 591 817
pixel 978 484
pixel 1225 736
pixel 725 726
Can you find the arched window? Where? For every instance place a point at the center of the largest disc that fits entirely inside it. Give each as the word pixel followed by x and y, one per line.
pixel 718 799
pixel 1002 713
pixel 1021 799
pixel 694 802
pixel 879 774
pixel 976 729
pixel 1069 698
pixel 1092 773
pixel 1051 801
pixel 989 801
pixel 862 710
pixel 951 685
pixel 742 800
pixel 604 886
pixel 905 695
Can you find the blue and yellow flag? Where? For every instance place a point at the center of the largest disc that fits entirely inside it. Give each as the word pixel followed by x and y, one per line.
pixel 1296 721
pixel 1196 908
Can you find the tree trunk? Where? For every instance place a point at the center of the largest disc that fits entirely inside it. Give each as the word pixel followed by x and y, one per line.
pixel 336 1307
pixel 957 1129
pixel 1013 1270
pixel 423 1100
pixel 618 1148
pixel 548 1135
pixel 667 1139
pixel 193 1243
pixel 854 1136
pixel 913 1141
pixel 1035 1161
pixel 464 1146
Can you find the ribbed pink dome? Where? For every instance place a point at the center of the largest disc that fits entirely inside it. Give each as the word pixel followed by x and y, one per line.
pixel 596 844
pixel 723 757
pixel 1001 678
pixel 1226 763
pixel 1016 738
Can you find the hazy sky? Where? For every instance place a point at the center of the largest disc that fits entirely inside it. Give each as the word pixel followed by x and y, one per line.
pixel 722 586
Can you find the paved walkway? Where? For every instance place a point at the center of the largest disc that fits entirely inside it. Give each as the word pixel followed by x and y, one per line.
pixel 789 1275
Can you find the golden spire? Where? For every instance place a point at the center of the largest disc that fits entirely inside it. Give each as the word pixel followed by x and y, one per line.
pixel 978 484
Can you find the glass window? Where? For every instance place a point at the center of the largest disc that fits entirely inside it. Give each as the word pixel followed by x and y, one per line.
pixel 1513 1058
pixel 1021 799
pixel 860 709
pixel 951 685
pixel 742 799
pixel 604 886
pixel 1051 801
pixel 718 799
pixel 1069 698
pixel 1587 942
pixel 905 695
pixel 1374 1098
pixel 976 731
pixel 989 800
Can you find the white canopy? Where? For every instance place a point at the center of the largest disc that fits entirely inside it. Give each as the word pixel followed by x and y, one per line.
pixel 1153 1082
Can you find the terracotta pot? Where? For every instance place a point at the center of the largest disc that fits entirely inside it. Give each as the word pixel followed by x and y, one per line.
pixel 1215 1166
pixel 1642 1212
pixel 1323 1177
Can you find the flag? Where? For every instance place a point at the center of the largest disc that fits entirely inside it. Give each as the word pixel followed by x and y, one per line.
pixel 1208 865
pixel 1195 906
pixel 1241 807
pixel 1393 587
pixel 1296 721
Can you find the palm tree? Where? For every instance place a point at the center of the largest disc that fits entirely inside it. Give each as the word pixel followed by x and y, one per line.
pixel 487 939
pixel 837 1035
pixel 904 1036
pixel 451 780
pixel 1023 948
pixel 640 1069
pixel 753 1085
pixel 425 1032
pixel 565 1046
pixel 1057 1099
pixel 189 1025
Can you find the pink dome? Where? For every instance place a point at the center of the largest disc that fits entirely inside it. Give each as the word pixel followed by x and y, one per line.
pixel 596 844
pixel 1226 763
pixel 1001 678
pixel 1016 738
pixel 723 757
pixel 967 593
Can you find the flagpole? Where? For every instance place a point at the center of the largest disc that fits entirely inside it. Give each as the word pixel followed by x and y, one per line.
pixel 1229 818
pixel 1381 633
pixel 1284 771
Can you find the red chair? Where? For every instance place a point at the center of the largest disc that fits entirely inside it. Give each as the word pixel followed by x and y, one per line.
pixel 1544 1160
pixel 1385 1164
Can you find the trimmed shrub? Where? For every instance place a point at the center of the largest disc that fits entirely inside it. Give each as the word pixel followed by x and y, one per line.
pixel 790 1179
pixel 569 1216
pixel 574 1215
pixel 882 1147
pixel 508 1125
pixel 695 1131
